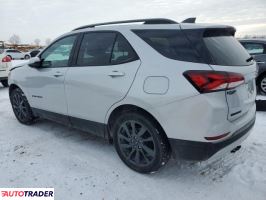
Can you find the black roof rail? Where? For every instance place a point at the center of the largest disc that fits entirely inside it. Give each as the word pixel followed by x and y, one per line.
pixel 145 21
pixel 190 20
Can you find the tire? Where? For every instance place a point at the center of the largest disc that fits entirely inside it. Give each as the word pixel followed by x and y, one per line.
pixel 262 84
pixel 144 150
pixel 21 107
pixel 27 57
pixel 4 83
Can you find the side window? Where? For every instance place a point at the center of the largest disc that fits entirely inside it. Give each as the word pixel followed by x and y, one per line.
pixel 172 44
pixel 122 51
pixel 95 49
pixel 16 51
pixel 254 48
pixel 58 54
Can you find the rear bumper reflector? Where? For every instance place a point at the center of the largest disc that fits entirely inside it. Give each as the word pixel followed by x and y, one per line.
pixel 199 151
pixel 217 137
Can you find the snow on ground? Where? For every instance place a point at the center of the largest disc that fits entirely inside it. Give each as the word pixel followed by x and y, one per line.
pixel 80 166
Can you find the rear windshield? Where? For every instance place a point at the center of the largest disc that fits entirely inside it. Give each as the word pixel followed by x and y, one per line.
pixel 170 43
pixel 227 51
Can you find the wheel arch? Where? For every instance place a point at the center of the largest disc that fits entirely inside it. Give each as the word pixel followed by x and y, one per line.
pixel 259 78
pixel 129 108
pixel 261 75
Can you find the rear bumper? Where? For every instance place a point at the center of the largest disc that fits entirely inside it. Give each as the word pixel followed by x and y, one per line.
pixel 3 78
pixel 199 151
pixel 3 74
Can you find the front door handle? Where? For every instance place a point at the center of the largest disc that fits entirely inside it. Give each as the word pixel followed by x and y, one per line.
pixel 58 74
pixel 116 74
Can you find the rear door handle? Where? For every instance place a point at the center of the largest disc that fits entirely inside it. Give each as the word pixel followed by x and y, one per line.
pixel 116 74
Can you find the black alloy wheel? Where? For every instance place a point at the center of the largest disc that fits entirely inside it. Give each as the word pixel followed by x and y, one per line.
pixel 21 107
pixel 139 143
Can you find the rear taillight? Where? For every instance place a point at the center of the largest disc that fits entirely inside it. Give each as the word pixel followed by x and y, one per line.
pixel 211 81
pixel 6 59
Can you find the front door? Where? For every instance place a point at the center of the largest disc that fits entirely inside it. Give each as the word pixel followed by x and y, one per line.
pixel 46 83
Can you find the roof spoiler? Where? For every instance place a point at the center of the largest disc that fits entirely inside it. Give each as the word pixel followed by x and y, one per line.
pixel 190 20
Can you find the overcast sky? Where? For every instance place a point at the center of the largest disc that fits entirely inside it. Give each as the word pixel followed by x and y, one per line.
pixel 42 19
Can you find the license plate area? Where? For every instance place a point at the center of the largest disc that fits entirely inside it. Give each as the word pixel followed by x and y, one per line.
pixel 240 99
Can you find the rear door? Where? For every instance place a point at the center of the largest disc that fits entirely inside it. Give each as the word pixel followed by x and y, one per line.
pixel 104 70
pixel 229 55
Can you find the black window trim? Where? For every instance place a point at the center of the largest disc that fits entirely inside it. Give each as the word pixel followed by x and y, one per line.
pixel 70 60
pixel 78 45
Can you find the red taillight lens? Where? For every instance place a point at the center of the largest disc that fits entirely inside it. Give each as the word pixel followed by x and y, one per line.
pixel 6 59
pixel 210 81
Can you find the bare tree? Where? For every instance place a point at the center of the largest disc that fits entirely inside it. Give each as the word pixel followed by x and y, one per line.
pixel 37 41
pixel 48 41
pixel 14 39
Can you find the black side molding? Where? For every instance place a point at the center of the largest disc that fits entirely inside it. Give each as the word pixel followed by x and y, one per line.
pixel 95 128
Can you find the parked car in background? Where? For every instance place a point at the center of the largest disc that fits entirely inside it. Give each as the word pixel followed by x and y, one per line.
pixel 155 89
pixel 34 52
pixel 257 48
pixel 5 66
pixel 16 54
pixel 2 45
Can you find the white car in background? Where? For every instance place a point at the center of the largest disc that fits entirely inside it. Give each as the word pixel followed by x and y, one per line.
pixel 16 54
pixel 5 66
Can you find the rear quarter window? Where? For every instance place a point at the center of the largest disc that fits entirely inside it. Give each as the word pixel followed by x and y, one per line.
pixel 226 50
pixel 170 43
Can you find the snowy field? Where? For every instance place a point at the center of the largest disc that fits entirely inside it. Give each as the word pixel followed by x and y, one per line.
pixel 80 166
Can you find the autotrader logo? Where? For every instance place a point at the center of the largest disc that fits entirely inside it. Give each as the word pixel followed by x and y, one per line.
pixel 26 193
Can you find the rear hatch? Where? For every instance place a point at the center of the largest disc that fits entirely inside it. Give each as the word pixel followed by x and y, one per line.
pixel 224 53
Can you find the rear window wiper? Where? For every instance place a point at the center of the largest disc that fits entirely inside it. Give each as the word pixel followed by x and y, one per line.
pixel 250 59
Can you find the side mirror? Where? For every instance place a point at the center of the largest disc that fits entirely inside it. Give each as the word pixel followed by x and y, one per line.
pixel 35 62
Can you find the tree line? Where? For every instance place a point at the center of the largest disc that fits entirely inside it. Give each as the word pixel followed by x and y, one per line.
pixel 15 40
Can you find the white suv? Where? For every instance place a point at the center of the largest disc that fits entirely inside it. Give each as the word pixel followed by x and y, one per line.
pixel 5 66
pixel 155 89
